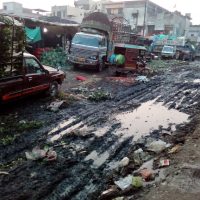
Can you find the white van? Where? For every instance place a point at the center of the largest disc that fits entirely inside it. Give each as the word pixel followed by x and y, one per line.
pixel 168 52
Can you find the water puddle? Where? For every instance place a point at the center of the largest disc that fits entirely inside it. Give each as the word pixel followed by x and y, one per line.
pixel 61 125
pixel 196 81
pixel 148 117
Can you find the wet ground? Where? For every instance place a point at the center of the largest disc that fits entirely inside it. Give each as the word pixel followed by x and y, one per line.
pixel 91 136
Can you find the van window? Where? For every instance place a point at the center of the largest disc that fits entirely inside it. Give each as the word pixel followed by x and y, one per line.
pixel 32 66
pixel 168 49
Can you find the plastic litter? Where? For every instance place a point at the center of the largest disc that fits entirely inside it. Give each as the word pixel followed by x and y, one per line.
pixel 158 146
pixel 124 183
pixel 124 162
pixel 81 78
pixel 137 181
pixel 55 106
pixel 37 154
pixel 142 79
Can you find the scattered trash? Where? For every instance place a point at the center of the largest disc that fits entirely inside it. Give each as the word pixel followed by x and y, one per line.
pixel 51 156
pixel 109 193
pixel 142 79
pixel 164 163
pixel 124 183
pixel 147 174
pixel 138 151
pixel 158 146
pixel 124 162
pixel 81 78
pixel 4 173
pixel 22 122
pixel 175 149
pixel 137 181
pixel 37 154
pixel 119 198
pixel 55 106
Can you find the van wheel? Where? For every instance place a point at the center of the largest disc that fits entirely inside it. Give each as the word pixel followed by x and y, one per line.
pixel 53 89
pixel 100 66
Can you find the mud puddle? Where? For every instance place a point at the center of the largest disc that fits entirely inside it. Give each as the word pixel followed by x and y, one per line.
pixel 148 117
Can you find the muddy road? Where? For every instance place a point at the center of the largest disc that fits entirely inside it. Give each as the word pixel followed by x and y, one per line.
pixel 89 136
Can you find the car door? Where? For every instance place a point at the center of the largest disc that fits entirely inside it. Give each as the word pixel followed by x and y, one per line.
pixel 37 79
pixel 11 81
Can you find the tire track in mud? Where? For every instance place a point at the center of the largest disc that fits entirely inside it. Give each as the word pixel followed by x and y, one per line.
pixel 86 178
pixel 107 142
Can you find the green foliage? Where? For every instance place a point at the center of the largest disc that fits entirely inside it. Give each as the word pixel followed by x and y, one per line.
pixel 8 139
pixel 55 58
pixel 12 40
pixel 12 125
pixel 99 96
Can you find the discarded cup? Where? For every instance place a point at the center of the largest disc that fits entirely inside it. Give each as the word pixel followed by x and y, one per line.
pixel 164 163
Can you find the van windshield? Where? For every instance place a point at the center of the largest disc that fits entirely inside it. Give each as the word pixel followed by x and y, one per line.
pixel 86 40
pixel 168 49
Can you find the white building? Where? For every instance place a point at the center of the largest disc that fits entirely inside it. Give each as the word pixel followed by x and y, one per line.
pixel 149 18
pixel 68 12
pixel 14 8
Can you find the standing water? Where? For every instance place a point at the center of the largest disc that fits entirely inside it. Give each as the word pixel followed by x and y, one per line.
pixel 148 117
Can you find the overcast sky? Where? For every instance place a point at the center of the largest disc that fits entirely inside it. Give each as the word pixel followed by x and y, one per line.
pixel 184 6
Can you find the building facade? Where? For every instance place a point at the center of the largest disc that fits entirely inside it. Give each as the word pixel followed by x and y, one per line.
pixel 14 8
pixel 68 12
pixel 194 33
pixel 148 18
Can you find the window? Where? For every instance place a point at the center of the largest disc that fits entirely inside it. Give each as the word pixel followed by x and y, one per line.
pixel 5 7
pixel 32 66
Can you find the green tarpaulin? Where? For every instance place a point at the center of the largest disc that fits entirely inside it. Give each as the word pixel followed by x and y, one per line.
pixel 33 35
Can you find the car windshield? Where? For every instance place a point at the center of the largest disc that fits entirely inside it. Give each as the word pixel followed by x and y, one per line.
pixel 86 40
pixel 168 49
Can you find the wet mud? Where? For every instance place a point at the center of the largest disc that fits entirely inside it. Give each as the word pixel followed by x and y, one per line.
pixel 90 138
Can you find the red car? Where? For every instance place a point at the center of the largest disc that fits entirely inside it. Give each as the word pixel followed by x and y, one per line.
pixel 31 78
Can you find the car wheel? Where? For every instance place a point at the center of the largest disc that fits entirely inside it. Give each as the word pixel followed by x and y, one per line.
pixel 53 89
pixel 75 66
pixel 177 56
pixel 184 57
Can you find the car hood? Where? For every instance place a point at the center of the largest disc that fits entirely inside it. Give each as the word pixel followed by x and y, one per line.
pixel 50 69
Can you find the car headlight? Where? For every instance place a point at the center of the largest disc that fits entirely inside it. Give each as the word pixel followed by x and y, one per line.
pixel 93 57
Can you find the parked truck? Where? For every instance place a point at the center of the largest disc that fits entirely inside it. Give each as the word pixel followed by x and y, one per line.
pixel 94 43
pixel 22 74
pixel 89 46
